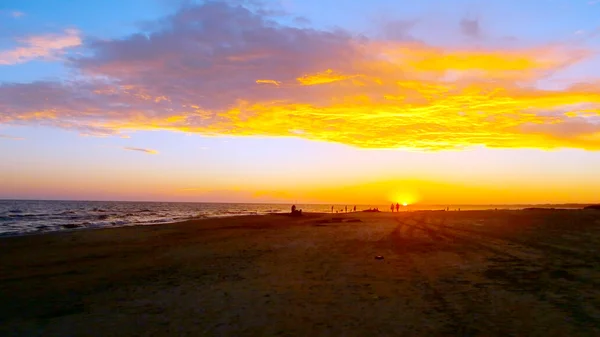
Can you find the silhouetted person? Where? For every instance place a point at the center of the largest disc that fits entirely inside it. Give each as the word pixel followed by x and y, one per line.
pixel 397 207
pixel 392 208
pixel 293 208
pixel 355 208
pixel 331 209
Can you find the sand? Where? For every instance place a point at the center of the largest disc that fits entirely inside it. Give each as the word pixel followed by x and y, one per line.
pixel 475 273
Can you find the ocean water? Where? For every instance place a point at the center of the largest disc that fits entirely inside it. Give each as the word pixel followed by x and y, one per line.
pixel 29 216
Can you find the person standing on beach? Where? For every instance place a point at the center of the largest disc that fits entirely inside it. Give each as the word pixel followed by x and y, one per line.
pixel 331 209
pixel 392 208
pixel 355 208
pixel 397 207
pixel 293 208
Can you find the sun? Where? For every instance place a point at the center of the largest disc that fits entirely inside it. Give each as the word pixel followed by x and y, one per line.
pixel 404 198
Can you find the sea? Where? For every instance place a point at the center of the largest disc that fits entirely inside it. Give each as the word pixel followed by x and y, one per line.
pixel 20 217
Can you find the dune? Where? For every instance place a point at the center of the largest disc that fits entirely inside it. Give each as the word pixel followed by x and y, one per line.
pixel 468 273
pixel 594 207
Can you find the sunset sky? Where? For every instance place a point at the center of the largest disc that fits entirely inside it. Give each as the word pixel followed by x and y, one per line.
pixel 312 101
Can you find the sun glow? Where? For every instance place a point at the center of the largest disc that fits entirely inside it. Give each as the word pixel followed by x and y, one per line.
pixel 404 196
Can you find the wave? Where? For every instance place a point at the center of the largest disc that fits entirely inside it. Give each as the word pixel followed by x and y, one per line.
pixel 237 212
pixel 22 217
pixel 16 216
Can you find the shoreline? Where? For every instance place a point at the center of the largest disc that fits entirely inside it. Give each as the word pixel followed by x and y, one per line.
pixel 83 228
pixel 180 222
pixel 195 219
pixel 19 218
pixel 80 229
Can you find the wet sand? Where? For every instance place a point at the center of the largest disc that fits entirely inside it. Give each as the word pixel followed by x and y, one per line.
pixel 469 273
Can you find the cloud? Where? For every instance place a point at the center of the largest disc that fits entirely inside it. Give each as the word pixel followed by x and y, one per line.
pixel 328 76
pixel 470 27
pixel 47 47
pixel 273 82
pixel 301 21
pixel 149 151
pixel 399 29
pixel 197 71
pixel 11 137
pixel 17 14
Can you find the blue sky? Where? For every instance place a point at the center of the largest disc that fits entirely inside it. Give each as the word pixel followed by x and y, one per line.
pixel 78 104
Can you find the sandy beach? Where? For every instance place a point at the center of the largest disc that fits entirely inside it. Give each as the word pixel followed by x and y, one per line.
pixel 469 273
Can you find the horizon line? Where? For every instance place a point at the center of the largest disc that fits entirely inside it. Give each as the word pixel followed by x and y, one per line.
pixel 300 203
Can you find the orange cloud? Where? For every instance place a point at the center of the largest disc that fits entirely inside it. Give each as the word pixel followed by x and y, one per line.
pixel 414 110
pixel 149 151
pixel 427 58
pixel 11 137
pixel 268 82
pixel 41 47
pixel 327 76
pixel 331 87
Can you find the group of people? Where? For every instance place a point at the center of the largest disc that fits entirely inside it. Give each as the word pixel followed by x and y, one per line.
pixel 345 209
pixel 296 212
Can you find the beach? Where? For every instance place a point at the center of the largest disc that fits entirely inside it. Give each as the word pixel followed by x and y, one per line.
pixel 429 273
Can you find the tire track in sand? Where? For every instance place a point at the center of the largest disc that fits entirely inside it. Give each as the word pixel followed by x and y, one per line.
pixel 532 259
pixel 414 250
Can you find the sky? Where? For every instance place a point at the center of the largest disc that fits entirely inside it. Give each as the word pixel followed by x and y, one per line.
pixel 312 101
